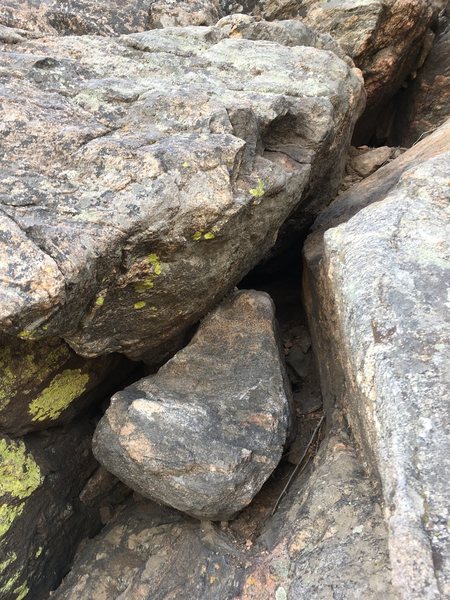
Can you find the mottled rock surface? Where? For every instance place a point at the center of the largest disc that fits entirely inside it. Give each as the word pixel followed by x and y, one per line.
pixel 45 383
pixel 426 104
pixel 205 432
pixel 326 538
pixel 387 41
pixel 376 281
pixel 152 551
pixel 180 13
pixel 41 519
pixel 142 177
pixel 77 17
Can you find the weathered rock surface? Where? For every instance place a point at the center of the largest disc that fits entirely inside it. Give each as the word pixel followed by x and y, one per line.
pixel 45 383
pixel 181 13
pixel 387 40
pixel 151 551
pixel 426 104
pixel 77 17
pixel 205 432
pixel 326 537
pixel 41 518
pixel 179 153
pixel 376 281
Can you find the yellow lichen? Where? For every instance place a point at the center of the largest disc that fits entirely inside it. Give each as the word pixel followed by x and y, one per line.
pixel 149 282
pixel 197 236
pixel 20 476
pixel 209 236
pixel 258 191
pixel 139 305
pixel 38 552
pixel 100 300
pixel 62 391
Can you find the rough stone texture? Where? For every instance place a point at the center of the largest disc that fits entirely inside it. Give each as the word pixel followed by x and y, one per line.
pixel 179 153
pixel 362 161
pixel 427 99
pixel 205 432
pixel 151 551
pixel 327 539
pixel 77 17
pixel 376 293
pixel 287 33
pixel 46 383
pixel 180 13
pixel 388 40
pixel 41 519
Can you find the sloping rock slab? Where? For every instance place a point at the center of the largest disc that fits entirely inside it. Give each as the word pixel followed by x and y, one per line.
pixel 142 177
pixel 205 432
pixel 41 519
pixel 376 293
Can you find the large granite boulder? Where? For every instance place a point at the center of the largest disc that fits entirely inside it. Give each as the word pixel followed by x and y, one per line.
pixel 327 537
pixel 142 177
pixel 41 519
pixel 205 432
pixel 376 284
pixel 45 383
pixel 181 13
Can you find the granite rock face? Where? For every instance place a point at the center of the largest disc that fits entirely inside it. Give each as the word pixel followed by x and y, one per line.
pixel 178 154
pixel 78 17
pixel 152 551
pixel 205 432
pixel 376 282
pixel 181 13
pixel 41 518
pixel 427 100
pixel 45 384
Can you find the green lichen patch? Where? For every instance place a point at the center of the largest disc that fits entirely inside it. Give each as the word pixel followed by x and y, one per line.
pixel 148 282
pixel 199 235
pixel 55 398
pixel 139 305
pixel 100 300
pixel 258 191
pixel 23 368
pixel 20 476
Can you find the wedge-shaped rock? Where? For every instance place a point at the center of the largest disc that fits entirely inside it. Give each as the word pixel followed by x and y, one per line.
pixel 142 177
pixel 377 297
pixel 206 431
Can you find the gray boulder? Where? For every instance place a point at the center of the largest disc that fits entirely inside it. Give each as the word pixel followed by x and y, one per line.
pixel 142 177
pixel 376 293
pixel 205 432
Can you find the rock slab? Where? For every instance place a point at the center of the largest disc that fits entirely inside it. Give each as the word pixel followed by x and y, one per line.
pixel 376 290
pixel 152 172
pixel 205 432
